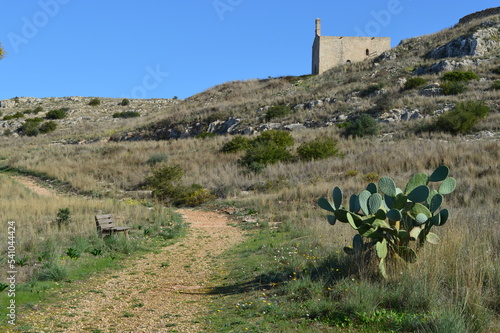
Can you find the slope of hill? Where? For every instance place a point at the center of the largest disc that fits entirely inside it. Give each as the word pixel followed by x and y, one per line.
pixel 376 87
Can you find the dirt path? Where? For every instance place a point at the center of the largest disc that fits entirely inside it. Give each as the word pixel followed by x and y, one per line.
pixel 33 186
pixel 160 292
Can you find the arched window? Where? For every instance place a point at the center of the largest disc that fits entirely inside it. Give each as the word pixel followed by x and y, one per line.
pixel 348 62
pixel 367 52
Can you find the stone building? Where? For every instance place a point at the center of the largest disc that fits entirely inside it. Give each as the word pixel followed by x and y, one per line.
pixel 329 51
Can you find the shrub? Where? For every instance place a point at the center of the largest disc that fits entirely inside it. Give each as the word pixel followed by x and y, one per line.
pixel 352 173
pixel 47 127
pixel 496 85
pixel 52 271
pixel 37 110
pixel 196 195
pixel 237 143
pixel 95 102
pixel 280 138
pixel 463 117
pixel 318 149
pixel 166 185
pixel 126 114
pixel 16 115
pixel 459 76
pixel 414 82
pixel 57 114
pixel 157 158
pixel 371 177
pixel 125 102
pixel 453 88
pixel 370 90
pixel 31 127
pixel 264 153
pixel 364 125
pixel 496 70
pixel 277 111
pixel 63 217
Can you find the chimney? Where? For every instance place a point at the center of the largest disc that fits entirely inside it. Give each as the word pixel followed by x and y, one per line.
pixel 318 27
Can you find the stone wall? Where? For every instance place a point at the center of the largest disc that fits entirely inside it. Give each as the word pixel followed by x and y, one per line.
pixel 480 14
pixel 334 51
pixel 330 51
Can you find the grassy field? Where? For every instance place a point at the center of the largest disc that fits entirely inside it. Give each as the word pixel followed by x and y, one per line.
pixel 52 250
pixel 294 256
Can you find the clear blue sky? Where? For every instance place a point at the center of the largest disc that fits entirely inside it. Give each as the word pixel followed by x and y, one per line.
pixel 166 48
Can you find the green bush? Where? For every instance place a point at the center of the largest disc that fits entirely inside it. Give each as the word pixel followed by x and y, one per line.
pixel 63 217
pixel 363 126
pixel 47 127
pixel 31 127
pixel 459 76
pixel 462 118
pixel 280 138
pixel 166 185
pixel 125 102
pixel 414 82
pixel 156 158
pixel 95 102
pixel 126 114
pixel 277 111
pixel 453 88
pixel 236 144
pixel 57 114
pixel 496 70
pixel 264 153
pixel 496 85
pixel 16 115
pixel 371 89
pixel 318 149
pixel 196 195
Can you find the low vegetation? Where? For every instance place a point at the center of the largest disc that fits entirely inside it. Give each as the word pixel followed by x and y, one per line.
pixel 463 118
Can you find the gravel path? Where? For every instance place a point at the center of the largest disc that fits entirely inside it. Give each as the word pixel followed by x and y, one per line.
pixel 160 292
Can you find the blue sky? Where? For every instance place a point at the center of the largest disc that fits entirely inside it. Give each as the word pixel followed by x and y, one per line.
pixel 167 48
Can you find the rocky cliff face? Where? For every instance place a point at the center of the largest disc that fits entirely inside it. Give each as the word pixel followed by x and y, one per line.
pixel 480 14
pixel 485 41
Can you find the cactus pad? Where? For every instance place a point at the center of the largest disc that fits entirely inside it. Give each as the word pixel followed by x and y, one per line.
pixel 439 174
pixel 387 186
pixel 447 186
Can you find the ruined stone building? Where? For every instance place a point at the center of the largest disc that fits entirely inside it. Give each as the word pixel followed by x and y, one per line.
pixel 329 51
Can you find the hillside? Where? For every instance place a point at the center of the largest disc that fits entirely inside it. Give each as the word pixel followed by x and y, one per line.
pixel 298 268
pixel 375 87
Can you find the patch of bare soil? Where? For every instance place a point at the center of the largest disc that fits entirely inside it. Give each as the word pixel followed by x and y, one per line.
pixel 160 292
pixel 33 186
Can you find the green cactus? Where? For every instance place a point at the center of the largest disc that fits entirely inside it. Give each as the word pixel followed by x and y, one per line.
pixel 392 219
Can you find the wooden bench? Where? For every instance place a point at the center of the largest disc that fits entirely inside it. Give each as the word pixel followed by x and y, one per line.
pixel 106 225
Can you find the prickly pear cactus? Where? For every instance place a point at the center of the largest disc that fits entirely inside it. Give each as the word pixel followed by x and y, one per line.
pixel 390 218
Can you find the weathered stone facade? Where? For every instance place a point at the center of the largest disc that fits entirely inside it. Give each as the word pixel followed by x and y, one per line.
pixel 329 51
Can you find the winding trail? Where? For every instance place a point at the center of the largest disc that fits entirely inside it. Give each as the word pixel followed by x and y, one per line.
pixel 158 292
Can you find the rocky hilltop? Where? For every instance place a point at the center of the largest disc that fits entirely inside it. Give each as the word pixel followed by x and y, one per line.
pixel 377 87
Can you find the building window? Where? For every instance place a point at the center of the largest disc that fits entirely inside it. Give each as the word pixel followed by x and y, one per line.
pixel 348 62
pixel 367 52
